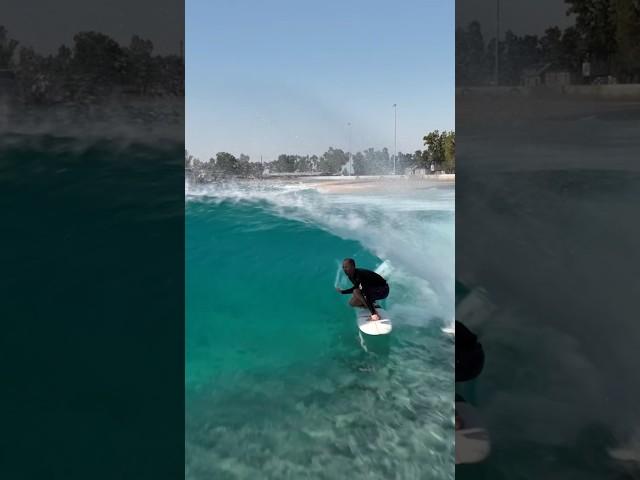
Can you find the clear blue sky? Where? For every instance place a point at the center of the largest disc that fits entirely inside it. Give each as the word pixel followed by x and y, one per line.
pixel 285 76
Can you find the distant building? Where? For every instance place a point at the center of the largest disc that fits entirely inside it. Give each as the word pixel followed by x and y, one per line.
pixel 596 70
pixel 415 170
pixel 546 74
pixel 557 78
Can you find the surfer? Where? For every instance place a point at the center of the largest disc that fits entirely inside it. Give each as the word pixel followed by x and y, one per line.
pixel 367 287
pixel 469 354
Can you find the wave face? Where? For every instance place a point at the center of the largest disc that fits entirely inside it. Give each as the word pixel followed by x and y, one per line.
pixel 278 382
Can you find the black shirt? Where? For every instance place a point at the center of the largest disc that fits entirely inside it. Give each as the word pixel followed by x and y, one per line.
pixel 466 340
pixel 366 280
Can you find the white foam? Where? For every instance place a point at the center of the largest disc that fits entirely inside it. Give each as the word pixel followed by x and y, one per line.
pixel 336 282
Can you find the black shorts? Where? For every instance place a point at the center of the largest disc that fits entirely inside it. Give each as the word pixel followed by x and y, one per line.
pixel 469 363
pixel 379 293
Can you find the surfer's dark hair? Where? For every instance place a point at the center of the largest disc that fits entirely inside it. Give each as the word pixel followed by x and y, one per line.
pixel 351 261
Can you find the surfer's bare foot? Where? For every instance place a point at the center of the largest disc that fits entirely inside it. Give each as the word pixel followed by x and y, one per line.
pixel 375 317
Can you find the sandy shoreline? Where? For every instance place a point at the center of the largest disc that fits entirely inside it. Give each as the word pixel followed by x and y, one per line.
pixel 371 183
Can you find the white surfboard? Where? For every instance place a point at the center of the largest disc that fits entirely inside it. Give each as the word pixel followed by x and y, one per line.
pixel 472 440
pixel 373 327
pixel 625 454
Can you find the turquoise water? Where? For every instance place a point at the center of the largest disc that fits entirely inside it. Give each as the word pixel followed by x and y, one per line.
pixel 559 390
pixel 92 305
pixel 278 382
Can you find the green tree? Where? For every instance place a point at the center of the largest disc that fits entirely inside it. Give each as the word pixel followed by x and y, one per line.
pixel 449 146
pixel 384 163
pixel 628 39
pixel 595 21
pixel 314 163
pixel 303 163
pixel 256 169
pixel 226 163
pixel 358 164
pixel 517 53
pixel 421 158
pixel 572 47
pixel 189 160
pixel 471 68
pixel 551 46
pixel 139 64
pixel 33 76
pixel 169 74
pixel 7 48
pixel 63 59
pixel 285 164
pixel 435 146
pixel 369 161
pixel 244 165
pixel 405 160
pixel 333 160
pixel 441 149
pixel 98 56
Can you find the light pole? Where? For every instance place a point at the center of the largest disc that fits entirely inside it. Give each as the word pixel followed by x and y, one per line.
pixel 350 164
pixel 497 73
pixel 395 131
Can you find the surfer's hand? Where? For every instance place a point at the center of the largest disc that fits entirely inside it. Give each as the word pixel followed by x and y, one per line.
pixel 338 289
pixel 375 316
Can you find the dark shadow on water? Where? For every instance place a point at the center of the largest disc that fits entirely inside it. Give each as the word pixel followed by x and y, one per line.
pixel 586 458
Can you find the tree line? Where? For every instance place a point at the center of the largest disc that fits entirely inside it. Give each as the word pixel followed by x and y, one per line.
pixel 606 34
pixel 439 151
pixel 94 66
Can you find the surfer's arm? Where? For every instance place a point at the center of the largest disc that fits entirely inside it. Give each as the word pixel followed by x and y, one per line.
pixel 348 290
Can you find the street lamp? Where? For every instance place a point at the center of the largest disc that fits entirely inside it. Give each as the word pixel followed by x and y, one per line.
pixel 350 162
pixel 395 131
pixel 497 72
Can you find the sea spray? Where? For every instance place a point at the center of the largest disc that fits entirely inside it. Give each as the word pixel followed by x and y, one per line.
pixel 336 282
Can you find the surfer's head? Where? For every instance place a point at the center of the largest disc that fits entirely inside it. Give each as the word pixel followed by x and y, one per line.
pixel 349 266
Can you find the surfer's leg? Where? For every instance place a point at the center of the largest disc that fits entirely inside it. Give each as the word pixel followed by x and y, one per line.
pixel 379 293
pixel 357 300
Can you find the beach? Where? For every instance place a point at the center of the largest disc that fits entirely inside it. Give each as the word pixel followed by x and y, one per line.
pixel 369 183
